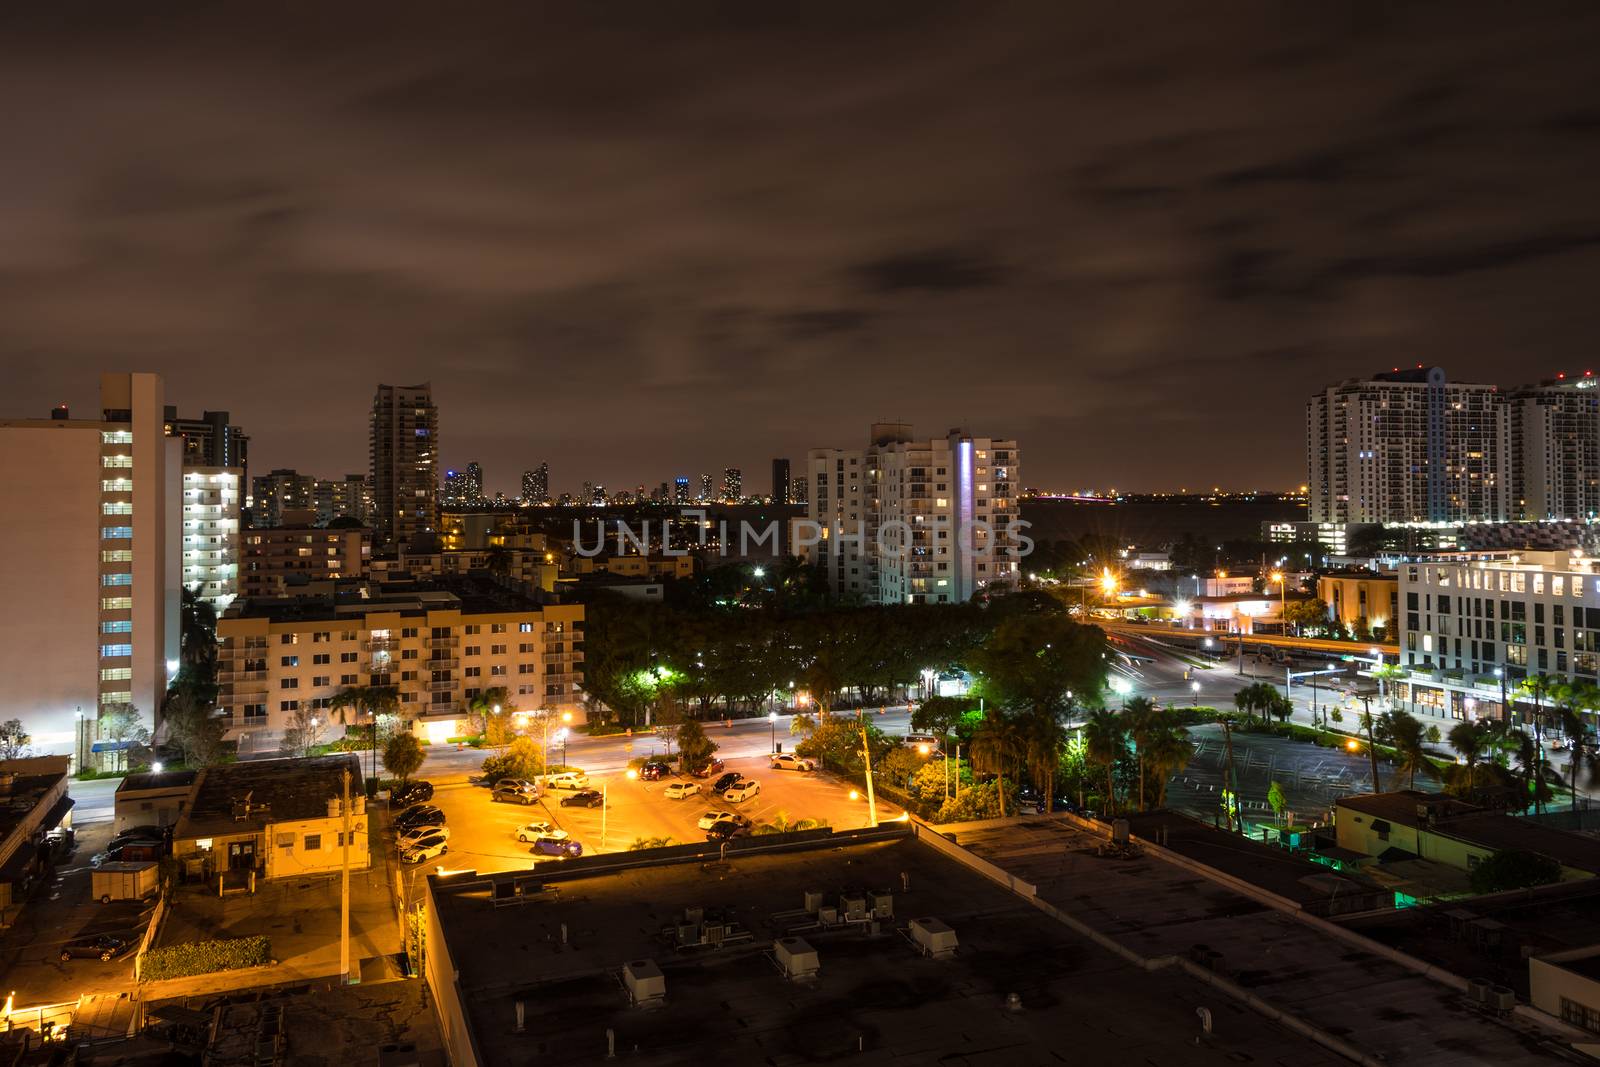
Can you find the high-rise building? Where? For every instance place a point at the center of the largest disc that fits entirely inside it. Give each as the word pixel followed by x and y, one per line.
pixel 911 521
pixel 272 562
pixel 780 481
pixel 453 492
pixel 404 451
pixel 350 498
pixel 732 484
pixel 680 489
pixel 474 483
pixel 282 496
pixel 1407 446
pixel 92 549
pixel 210 441
pixel 210 540
pixel 705 490
pixel 1555 446
pixel 536 485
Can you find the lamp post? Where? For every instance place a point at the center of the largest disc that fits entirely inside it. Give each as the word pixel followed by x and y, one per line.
pixel 1283 601
pixel 772 721
pixel 1505 710
pixel 561 735
pixel 1194 687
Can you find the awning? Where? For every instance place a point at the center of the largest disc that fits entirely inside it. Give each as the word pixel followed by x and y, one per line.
pixel 110 746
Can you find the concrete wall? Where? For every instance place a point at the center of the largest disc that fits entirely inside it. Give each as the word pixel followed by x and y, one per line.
pixel 442 977
pixel 295 859
pixel 49 582
pixel 150 807
pixel 1549 982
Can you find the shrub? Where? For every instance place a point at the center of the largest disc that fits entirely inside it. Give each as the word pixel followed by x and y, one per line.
pixel 205 957
pixel 642 843
pixel 1514 869
pixel 979 802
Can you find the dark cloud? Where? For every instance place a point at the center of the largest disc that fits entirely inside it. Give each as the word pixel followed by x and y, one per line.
pixel 646 240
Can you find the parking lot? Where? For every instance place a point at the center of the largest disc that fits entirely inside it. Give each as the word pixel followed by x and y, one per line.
pixel 482 833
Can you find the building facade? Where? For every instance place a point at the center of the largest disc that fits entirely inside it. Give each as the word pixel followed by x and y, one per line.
pixel 780 481
pixel 94 516
pixel 905 521
pixel 281 496
pixel 211 500
pixel 536 485
pixel 1406 447
pixel 732 485
pixel 347 498
pixel 1555 443
pixel 275 560
pixel 438 643
pixel 1361 599
pixel 211 441
pixel 404 457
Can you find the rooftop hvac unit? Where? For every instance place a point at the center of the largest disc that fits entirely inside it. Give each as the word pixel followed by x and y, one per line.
pixel 693 915
pixel 813 900
pixel 1477 990
pixel 1502 999
pixel 1119 831
pixel 646 984
pixel 828 915
pixel 797 958
pixel 688 933
pixel 854 906
pixel 882 905
pixel 933 938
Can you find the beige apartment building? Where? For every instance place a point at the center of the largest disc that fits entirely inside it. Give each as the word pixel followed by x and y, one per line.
pixel 438 643
pixel 274 559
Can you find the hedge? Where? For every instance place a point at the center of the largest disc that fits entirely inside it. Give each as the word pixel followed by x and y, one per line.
pixel 204 957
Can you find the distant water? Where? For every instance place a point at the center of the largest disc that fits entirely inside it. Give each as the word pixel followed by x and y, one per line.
pixel 1155 520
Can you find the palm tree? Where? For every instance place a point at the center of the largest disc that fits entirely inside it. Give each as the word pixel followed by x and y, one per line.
pixel 1042 736
pixel 1144 721
pixel 367 700
pixel 1572 700
pixel 1105 741
pixel 1541 687
pixel 1472 741
pixel 995 744
pixel 1166 753
pixel 1406 734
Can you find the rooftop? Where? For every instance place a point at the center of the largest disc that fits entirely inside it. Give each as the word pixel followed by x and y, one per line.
pixel 875 994
pixel 135 783
pixel 470 595
pixel 237 797
pixel 1466 822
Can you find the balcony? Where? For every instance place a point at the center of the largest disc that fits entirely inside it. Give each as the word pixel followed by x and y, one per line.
pixel 442 664
pixel 442 686
pixel 380 644
pixel 442 642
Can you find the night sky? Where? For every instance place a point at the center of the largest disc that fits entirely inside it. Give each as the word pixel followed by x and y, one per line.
pixel 643 240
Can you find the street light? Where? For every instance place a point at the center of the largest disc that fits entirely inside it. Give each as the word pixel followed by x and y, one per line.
pixel 1194 687
pixel 772 721
pixel 561 735
pixel 1283 601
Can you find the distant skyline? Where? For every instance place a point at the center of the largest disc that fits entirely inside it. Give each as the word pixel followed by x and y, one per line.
pixel 646 240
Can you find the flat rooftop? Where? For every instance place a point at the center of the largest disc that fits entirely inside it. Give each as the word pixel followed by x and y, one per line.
pixel 1159 907
pixel 277 790
pixel 875 995
pixel 1469 823
pixel 469 595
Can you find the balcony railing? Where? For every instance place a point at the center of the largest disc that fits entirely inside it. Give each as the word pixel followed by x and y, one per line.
pixel 443 642
pixel 379 644
pixel 442 664
pixel 442 686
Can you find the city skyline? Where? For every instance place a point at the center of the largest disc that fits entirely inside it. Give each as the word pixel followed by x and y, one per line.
pixel 711 241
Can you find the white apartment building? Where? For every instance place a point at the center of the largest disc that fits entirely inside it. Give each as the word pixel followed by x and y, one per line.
pixel 1407 447
pixel 905 521
pixel 91 540
pixel 1476 624
pixel 439 644
pixel 1555 440
pixel 211 499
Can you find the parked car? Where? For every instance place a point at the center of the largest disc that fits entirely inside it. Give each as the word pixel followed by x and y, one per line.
pixel 681 790
pixel 567 780
pixel 146 832
pixel 539 829
pixel 726 830
pixel 706 770
pixel 408 793
pixel 723 784
pixel 102 947
pixel 510 793
pixel 420 815
pixel 584 798
pixel 557 847
pixel 788 761
pixel 406 838
pixel 520 783
pixel 742 791
pixel 425 848
pixel 654 771
pixel 918 740
pixel 711 818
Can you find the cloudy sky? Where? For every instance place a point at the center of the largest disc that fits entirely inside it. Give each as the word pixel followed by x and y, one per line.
pixel 643 240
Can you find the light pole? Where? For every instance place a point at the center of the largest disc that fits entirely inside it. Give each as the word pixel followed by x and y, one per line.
pixel 772 721
pixel 1505 710
pixel 561 735
pixel 1283 601
pixel 1194 687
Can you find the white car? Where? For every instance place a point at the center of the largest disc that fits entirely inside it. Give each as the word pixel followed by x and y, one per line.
pixel 740 791
pixel 539 829
pixel 425 849
pixel 681 790
pixel 567 780
pixel 407 838
pixel 788 761
pixel 711 818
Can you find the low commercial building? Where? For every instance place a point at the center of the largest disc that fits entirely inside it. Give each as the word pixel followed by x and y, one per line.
pixel 1361 599
pixel 535 567
pixel 1567 985
pixel 275 818
pixel 1449 831
pixel 153 798
pixel 273 561
pixel 655 567
pixel 281 662
pixel 33 805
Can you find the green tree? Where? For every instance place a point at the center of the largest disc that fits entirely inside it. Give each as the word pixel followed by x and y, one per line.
pixel 369 703
pixel 1405 733
pixel 1514 869
pixel 1144 720
pixel 1105 742
pixel 498 733
pixel 782 823
pixel 124 727
pixel 695 749
pixel 303 732
pixel 521 759
pixel 14 740
pixel 1041 663
pixel 1310 614
pixel 481 708
pixel 1167 752
pixel 1276 800
pixel 940 715
pixel 1471 741
pixel 193 726
pixel 403 755
pixel 641 843
pixel 1572 701
pixel 995 746
pixel 982 801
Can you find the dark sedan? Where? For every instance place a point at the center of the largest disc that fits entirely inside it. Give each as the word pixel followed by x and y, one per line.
pixel 726 831
pixel 723 784
pixel 706 770
pixel 583 798
pixel 421 815
pixel 103 947
pixel 409 793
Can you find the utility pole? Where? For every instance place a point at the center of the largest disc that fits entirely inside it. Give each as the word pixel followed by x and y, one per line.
pixel 1230 787
pixel 1372 748
pixel 866 756
pixel 344 898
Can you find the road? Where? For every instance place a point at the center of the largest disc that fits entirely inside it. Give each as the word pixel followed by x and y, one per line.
pixel 1198 637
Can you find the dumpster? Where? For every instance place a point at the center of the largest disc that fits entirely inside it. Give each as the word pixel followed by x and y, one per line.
pixel 124 880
